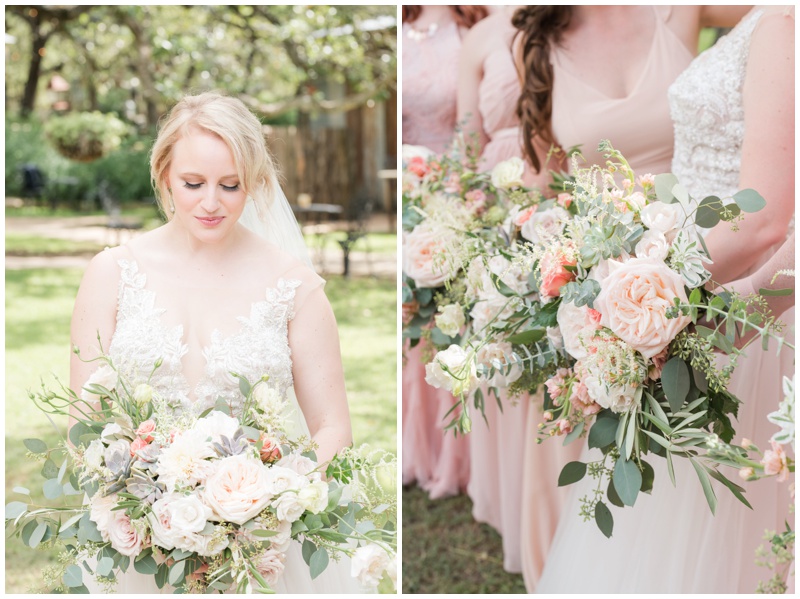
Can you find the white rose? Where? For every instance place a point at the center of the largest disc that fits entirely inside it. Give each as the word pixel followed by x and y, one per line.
pixel 283 539
pixel 652 245
pixel 662 217
pixel 369 564
pixel 462 377
pixel 288 506
pixel 105 376
pixel 299 464
pixel 545 224
pixel 123 534
pixel 314 497
pixel 638 200
pixel 633 302
pixel 279 480
pixel 93 457
pixel 216 425
pixel 100 512
pixel 109 431
pixel 450 319
pixel 205 545
pixel 236 488
pixel 270 565
pixel 577 325
pixel 508 173
pixel 617 398
pixel 423 247
pixel 185 461
pixel 160 519
pixel 511 274
pixel 492 307
pixel 503 353
pixel 189 514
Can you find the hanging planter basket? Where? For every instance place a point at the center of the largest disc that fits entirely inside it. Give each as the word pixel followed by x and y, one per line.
pixel 85 136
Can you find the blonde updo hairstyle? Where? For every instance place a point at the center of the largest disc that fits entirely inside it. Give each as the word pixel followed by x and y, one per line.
pixel 230 120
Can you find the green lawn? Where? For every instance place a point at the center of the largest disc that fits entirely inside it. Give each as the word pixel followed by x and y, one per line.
pixel 33 245
pixel 38 309
pixel 446 551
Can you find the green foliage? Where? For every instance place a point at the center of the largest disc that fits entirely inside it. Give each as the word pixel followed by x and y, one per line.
pixel 85 136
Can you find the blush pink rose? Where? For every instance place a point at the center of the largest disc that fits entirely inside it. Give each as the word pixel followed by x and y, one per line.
pixel 138 444
pixel 633 301
pixel 421 246
pixel 236 488
pixel 270 450
pixel 564 426
pixel 554 275
pixel 144 430
pixel 123 536
pixel 271 565
pixel 564 200
pixel 523 216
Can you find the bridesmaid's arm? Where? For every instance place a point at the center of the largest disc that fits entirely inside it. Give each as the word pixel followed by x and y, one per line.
pixel 767 151
pixel 712 15
pixel 95 312
pixel 318 375
pixel 470 73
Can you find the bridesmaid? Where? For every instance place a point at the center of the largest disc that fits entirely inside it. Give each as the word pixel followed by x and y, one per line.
pixel 577 89
pixel 488 89
pixel 438 462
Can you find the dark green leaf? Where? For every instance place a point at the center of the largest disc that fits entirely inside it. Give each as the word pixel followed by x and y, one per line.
pixel 648 477
pixel 80 590
pixel 49 470
pixel 146 565
pixel 77 431
pixel 35 445
pixel 749 200
pixel 603 432
pixel 775 292
pixel 571 473
pixel 527 337
pixel 308 550
pixel 627 480
pixel 675 379
pixel 737 491
pixel 318 562
pixel 613 496
pixel 711 498
pixel 604 519
pixel 161 575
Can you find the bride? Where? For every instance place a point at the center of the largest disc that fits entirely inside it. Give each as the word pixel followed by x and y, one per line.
pixel 730 134
pixel 225 285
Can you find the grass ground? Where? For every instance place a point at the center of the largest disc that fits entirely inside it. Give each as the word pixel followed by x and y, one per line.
pixel 446 551
pixel 38 308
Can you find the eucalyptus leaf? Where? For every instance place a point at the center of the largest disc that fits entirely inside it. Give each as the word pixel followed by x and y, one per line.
pixel 104 566
pixel 308 550
pixel 604 519
pixel 574 434
pixel 49 469
pixel 244 386
pixel 648 477
pixel 613 496
pixel 161 575
pixel 27 531
pixel 675 380
pixel 263 533
pixel 52 489
pixel 177 573
pixel 37 535
pixel 627 480
pixel 73 576
pixel 15 508
pixel 664 183
pixel 707 215
pixel 146 565
pixel 749 200
pixel 571 473
pixel 35 445
pixel 318 562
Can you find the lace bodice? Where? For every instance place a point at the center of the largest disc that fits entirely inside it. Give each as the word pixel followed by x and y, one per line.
pixel 430 78
pixel 260 346
pixel 708 115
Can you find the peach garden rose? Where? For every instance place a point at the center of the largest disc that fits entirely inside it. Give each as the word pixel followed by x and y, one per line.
pixel 235 488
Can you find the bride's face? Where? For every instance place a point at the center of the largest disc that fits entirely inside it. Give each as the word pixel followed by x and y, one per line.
pixel 206 191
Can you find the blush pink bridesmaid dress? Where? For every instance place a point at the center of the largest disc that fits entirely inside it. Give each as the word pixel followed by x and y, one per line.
pixel 437 462
pixel 638 125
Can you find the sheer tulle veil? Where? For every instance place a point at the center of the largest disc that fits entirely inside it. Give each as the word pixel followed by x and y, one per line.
pixel 277 224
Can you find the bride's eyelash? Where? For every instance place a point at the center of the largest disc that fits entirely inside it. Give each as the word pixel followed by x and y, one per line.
pixel 231 187
pixel 188 185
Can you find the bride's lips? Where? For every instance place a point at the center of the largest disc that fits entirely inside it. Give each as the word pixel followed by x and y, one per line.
pixel 210 221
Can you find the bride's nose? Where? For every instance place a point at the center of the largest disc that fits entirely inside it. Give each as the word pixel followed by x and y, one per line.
pixel 210 201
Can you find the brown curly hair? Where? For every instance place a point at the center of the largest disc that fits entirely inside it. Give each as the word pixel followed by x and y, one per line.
pixel 465 16
pixel 540 27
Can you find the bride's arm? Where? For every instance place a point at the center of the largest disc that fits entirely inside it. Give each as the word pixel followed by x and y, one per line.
pixel 94 314
pixel 767 151
pixel 318 375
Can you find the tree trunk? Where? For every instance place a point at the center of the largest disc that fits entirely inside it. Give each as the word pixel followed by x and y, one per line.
pixel 38 42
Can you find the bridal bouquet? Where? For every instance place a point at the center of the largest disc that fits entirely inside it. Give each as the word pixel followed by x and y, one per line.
pixel 204 503
pixel 617 324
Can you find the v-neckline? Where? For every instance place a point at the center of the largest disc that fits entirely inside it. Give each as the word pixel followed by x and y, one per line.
pixel 639 80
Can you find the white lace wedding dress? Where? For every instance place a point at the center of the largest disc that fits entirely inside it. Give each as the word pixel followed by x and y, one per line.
pixel 670 542
pixel 250 338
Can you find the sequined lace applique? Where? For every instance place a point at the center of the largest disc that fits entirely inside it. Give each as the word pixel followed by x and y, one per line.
pixel 260 346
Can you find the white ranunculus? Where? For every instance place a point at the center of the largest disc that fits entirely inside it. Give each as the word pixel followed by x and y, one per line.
pixel 509 173
pixel 653 245
pixel 617 398
pixel 369 563
pixel 460 376
pixel 501 352
pixel 450 319
pixel 185 461
pixel 544 224
pixel 93 457
pixel 217 424
pixel 661 217
pixel 314 497
pixel 577 327
pixel 105 376
pixel 288 506
pixel 279 480
pixel 236 488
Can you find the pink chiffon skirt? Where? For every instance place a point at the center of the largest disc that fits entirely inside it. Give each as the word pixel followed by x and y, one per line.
pixel 436 460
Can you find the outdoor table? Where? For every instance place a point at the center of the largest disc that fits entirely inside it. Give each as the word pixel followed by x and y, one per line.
pixel 389 199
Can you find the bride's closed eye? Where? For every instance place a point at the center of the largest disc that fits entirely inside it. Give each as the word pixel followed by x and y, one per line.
pixel 188 185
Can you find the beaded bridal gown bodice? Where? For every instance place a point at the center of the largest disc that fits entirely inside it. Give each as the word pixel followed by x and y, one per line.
pixel 260 347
